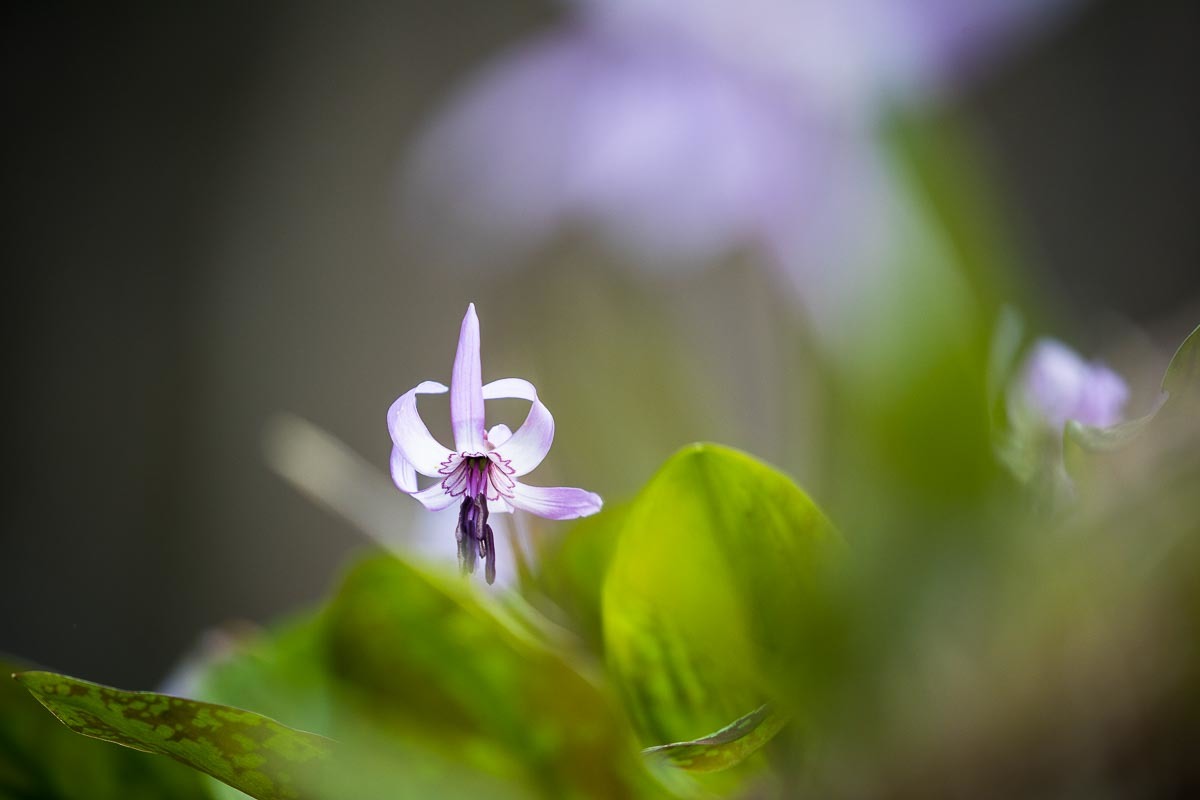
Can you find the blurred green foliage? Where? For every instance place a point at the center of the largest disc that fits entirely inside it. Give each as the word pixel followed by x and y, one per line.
pixel 956 635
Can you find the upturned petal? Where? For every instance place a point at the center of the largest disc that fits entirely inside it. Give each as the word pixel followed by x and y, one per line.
pixel 555 502
pixel 466 388
pixel 526 448
pixel 410 436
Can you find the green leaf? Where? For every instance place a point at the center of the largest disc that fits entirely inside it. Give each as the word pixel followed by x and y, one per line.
pixel 572 567
pixel 1182 380
pixel 728 747
pixel 426 658
pixel 284 672
pixel 1181 387
pixel 250 752
pixel 718 559
pixel 39 759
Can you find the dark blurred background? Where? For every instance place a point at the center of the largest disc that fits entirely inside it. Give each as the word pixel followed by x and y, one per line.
pixel 201 231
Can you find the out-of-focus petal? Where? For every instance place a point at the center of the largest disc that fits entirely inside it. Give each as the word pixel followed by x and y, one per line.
pixel 557 502
pixel 659 151
pixel 940 44
pixel 409 434
pixel 844 54
pixel 435 498
pixel 526 448
pixel 466 388
pixel 1057 385
pixel 403 474
pixel 1104 396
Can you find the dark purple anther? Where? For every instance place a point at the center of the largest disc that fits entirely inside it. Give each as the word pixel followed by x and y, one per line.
pixel 490 543
pixel 474 536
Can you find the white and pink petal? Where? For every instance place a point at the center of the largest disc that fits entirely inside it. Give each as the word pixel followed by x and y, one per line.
pixel 528 446
pixel 466 388
pixel 409 434
pixel 555 502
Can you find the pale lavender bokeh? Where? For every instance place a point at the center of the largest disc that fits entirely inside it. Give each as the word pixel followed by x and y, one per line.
pixel 1057 385
pixel 682 131
pixel 844 52
pixel 670 157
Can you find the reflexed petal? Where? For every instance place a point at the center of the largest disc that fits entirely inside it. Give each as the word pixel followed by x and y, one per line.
pixel 555 502
pixel 409 434
pixel 403 474
pixel 466 388
pixel 435 498
pixel 530 444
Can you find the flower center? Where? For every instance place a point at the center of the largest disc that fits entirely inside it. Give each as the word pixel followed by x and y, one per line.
pixel 477 474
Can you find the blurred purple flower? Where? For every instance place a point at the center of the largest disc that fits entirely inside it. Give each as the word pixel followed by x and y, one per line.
pixel 664 153
pixel 484 467
pixel 681 132
pixel 845 52
pixel 1057 385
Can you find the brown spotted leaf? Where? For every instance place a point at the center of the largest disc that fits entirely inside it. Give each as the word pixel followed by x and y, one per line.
pixel 249 752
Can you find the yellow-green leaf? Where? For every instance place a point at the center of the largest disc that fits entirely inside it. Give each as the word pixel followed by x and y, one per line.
pixel 718 560
pixel 424 658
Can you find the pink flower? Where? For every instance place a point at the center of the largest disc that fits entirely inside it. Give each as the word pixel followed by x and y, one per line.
pixel 481 472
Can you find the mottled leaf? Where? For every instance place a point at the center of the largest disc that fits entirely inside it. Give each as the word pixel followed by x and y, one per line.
pixel 250 752
pixel 728 747
pixel 718 557
pixel 42 760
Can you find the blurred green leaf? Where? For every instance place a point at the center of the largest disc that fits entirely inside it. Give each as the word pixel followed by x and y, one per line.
pixel 284 672
pixel 422 656
pixel 1182 381
pixel 250 752
pixel 1181 387
pixel 572 567
pixel 41 760
pixel 716 557
pixel 728 747
pixel 280 673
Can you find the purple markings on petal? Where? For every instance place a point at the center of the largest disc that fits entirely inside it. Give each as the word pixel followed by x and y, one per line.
pixel 1057 385
pixel 466 388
